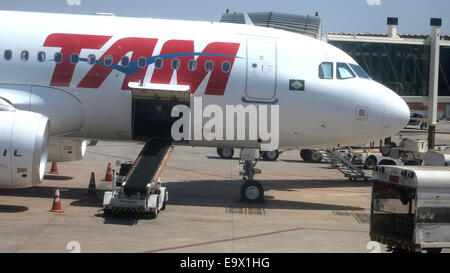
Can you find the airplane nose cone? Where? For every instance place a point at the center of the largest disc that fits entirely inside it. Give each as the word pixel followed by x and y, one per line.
pixel 396 114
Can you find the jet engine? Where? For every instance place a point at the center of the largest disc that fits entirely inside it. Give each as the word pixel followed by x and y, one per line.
pixel 24 138
pixel 66 149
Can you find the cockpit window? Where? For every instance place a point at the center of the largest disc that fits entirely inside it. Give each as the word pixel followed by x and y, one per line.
pixel 326 70
pixel 343 71
pixel 359 71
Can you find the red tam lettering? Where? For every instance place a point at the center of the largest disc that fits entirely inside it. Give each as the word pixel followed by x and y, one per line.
pixel 218 79
pixel 71 44
pixel 141 47
pixel 164 74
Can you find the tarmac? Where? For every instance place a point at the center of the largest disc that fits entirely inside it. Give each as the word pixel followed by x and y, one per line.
pixel 308 208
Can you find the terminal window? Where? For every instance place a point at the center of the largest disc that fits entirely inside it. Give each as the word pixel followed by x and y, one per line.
pixel 403 68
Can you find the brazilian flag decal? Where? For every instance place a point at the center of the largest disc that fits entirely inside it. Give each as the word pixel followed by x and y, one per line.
pixel 297 85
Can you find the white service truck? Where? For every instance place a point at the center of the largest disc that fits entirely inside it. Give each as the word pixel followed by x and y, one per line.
pixel 410 208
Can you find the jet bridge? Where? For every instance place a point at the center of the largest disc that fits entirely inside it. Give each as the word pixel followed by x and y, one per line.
pixel 140 189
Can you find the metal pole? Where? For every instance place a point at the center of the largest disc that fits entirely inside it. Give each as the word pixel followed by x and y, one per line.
pixel 434 79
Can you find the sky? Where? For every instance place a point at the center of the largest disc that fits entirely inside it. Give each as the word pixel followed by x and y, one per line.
pixel 360 16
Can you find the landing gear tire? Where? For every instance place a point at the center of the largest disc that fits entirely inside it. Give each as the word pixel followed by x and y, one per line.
pixel 316 157
pixel 423 126
pixel 225 153
pixel 371 163
pixel 252 192
pixel 271 155
pixel 306 155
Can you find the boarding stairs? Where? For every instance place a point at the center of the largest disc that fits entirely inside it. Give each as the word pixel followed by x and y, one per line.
pixel 343 164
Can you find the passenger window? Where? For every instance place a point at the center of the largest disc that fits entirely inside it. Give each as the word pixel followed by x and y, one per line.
pixel 209 65
pixel 125 61
pixel 192 65
pixel 326 70
pixel 142 62
pixel 24 56
pixel 359 71
pixel 226 67
pixel 7 54
pixel 74 58
pixel 91 59
pixel 58 57
pixel 175 64
pixel 41 56
pixel 344 71
pixel 159 63
pixel 108 60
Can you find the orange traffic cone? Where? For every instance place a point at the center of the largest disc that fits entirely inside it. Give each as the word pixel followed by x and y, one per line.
pixel 54 168
pixel 56 202
pixel 92 190
pixel 109 174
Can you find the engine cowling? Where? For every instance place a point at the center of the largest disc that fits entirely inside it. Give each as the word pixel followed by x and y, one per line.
pixel 24 138
pixel 66 149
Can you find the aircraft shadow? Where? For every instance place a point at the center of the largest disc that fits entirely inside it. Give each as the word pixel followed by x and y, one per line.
pixel 301 161
pixel 261 159
pixel 90 201
pixel 12 209
pixel 218 157
pixel 329 167
pixel 208 193
pixel 79 195
pixel 221 193
pixel 57 177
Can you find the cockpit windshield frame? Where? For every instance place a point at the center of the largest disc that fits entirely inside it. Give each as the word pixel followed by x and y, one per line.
pixel 342 68
pixel 359 71
pixel 326 70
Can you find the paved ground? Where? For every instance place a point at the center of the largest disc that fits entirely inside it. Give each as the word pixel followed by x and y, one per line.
pixel 308 208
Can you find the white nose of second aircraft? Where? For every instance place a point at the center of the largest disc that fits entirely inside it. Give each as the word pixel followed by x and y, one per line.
pixel 396 114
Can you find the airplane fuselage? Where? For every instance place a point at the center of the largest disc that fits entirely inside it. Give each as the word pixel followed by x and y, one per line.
pixel 76 69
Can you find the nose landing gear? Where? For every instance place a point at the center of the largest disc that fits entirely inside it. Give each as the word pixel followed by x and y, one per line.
pixel 252 191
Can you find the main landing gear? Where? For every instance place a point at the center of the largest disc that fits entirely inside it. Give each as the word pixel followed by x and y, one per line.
pixel 252 191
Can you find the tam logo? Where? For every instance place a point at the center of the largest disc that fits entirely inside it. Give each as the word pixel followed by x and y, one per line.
pixel 183 50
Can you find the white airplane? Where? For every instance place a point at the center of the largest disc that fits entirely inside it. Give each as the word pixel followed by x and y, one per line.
pixel 66 78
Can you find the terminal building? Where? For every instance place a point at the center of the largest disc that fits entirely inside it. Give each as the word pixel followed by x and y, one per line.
pixel 402 62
